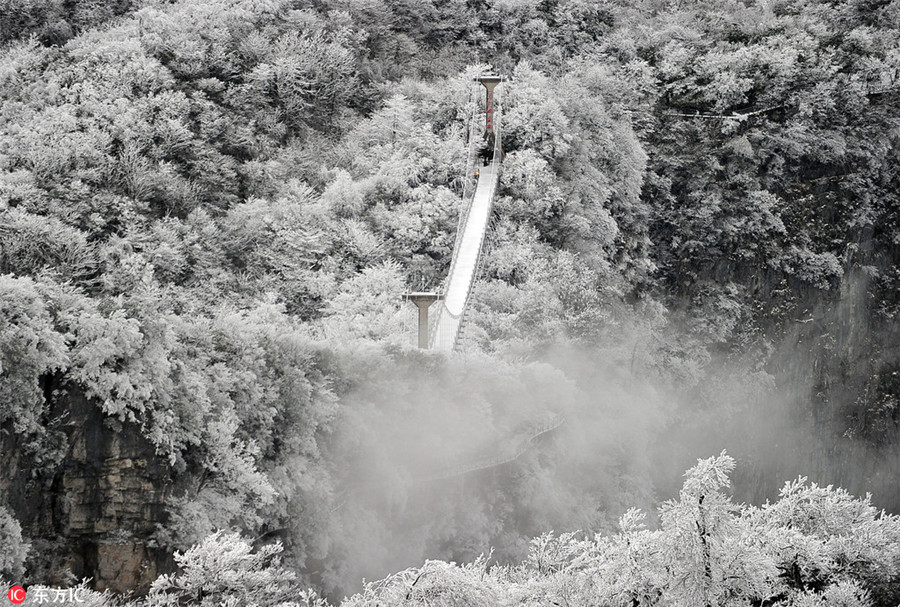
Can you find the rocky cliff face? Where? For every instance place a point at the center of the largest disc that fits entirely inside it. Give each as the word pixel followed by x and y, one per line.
pixel 93 510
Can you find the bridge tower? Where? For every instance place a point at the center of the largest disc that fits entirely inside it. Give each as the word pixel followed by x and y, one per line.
pixel 490 82
pixel 423 301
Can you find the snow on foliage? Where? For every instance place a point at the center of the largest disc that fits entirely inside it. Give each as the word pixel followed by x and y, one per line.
pixel 814 546
pixel 224 569
pixel 12 549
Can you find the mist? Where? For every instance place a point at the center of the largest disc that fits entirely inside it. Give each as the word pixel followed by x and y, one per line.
pixel 454 457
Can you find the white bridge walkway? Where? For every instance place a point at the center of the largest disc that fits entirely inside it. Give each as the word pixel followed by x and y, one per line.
pixel 450 312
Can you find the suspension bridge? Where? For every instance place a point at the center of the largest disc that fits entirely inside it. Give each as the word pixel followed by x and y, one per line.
pixel 443 331
pixel 469 248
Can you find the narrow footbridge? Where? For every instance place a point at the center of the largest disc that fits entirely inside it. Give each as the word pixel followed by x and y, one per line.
pixel 498 455
pixel 448 315
pixel 474 220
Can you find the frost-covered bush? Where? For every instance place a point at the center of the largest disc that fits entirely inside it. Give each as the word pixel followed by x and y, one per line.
pixel 12 549
pixel 820 536
pixel 29 348
pixel 224 569
pixel 842 594
pixel 815 546
pixel 437 584
pixel 822 270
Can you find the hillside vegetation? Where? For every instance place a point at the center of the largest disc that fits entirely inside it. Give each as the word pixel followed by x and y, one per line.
pixel 210 208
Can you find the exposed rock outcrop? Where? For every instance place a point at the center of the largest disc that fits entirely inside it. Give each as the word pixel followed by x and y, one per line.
pixel 91 514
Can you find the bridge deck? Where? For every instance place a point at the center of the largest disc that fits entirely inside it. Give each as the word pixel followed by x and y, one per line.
pixel 465 264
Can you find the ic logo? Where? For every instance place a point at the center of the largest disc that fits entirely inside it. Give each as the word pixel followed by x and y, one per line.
pixel 16 594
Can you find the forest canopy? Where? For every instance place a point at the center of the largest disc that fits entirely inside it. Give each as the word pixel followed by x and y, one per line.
pixel 209 210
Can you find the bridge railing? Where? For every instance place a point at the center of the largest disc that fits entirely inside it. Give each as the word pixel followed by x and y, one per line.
pixel 468 178
pixel 495 460
pixel 445 329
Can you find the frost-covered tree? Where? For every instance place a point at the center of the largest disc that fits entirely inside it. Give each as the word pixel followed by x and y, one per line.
pixel 13 549
pixel 815 546
pixel 224 569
